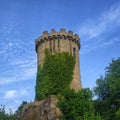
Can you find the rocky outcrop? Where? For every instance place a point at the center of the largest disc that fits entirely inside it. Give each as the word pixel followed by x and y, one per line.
pixel 41 110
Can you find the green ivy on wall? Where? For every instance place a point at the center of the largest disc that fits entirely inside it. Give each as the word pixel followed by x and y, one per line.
pixel 55 75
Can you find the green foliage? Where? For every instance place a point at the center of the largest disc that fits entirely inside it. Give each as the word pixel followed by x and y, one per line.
pixel 77 106
pixel 6 116
pixel 108 92
pixel 101 89
pixel 21 107
pixel 118 114
pixel 55 75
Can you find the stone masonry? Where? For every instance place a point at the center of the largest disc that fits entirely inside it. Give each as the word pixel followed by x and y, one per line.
pixel 41 110
pixel 59 42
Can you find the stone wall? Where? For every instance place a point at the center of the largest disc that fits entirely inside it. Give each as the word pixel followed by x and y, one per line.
pixel 41 110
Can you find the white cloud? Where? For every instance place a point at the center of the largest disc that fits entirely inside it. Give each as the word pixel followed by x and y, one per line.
pixel 110 42
pixel 100 30
pixel 15 93
pixel 10 94
pixel 91 30
pixel 88 48
pixel 113 14
pixel 16 77
pixel 20 70
pixel 6 80
pixel 18 59
pixel 107 21
pixel 23 92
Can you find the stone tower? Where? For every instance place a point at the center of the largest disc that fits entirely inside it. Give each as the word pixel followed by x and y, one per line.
pixel 59 42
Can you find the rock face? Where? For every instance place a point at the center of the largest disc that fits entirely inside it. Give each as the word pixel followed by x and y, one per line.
pixel 41 110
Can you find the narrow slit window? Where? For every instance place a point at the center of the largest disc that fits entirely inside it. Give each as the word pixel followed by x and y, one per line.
pixel 58 45
pixel 74 52
pixel 70 47
pixel 53 45
pixel 50 45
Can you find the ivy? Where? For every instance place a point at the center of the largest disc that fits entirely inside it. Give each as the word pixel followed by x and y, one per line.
pixel 55 75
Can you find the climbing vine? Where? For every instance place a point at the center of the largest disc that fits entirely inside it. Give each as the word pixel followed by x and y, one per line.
pixel 55 75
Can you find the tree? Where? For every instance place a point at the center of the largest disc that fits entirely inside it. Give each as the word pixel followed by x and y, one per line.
pixel 108 91
pixel 101 89
pixel 118 114
pixel 77 106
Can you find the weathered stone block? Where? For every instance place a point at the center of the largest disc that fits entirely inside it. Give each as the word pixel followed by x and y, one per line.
pixel 41 110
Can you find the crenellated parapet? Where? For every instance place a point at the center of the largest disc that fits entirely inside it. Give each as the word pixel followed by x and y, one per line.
pixel 57 35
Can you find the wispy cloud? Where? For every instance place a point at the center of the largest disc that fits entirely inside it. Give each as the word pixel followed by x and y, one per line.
pixel 19 71
pixel 10 94
pixel 110 42
pixel 14 43
pixel 96 33
pixel 17 77
pixel 88 48
pixel 107 21
pixel 18 60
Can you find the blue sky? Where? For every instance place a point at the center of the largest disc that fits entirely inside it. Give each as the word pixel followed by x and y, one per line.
pixel 97 22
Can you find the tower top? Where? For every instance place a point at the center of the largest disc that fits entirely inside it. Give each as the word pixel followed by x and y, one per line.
pixel 58 42
pixel 63 34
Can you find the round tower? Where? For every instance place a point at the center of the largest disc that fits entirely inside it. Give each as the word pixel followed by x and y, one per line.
pixel 59 42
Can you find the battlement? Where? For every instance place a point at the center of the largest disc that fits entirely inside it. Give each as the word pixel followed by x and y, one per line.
pixel 62 32
pixel 46 36
pixel 45 33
